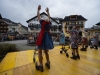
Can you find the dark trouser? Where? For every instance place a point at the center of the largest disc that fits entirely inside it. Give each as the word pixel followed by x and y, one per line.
pixel 75 53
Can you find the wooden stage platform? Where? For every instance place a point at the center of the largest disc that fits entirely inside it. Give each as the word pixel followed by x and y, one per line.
pixel 21 63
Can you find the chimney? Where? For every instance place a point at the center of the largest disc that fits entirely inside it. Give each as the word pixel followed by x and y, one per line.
pixel 0 16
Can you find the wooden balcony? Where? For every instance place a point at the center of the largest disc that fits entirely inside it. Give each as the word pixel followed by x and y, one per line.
pixel 78 25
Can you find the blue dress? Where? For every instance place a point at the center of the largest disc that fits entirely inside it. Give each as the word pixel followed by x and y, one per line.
pixel 44 40
pixel 62 38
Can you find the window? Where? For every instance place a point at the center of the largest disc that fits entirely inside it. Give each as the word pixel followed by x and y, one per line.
pixel 80 33
pixel 35 19
pixel 31 28
pixel 89 33
pixel 38 26
pixel 1 30
pixel 80 22
pixel 13 28
pixel 73 23
pixel 4 30
pixel 1 27
pixel 1 23
pixel 42 16
pixel 73 17
pixel 67 23
pixel 50 20
pixel 5 27
pixel 70 28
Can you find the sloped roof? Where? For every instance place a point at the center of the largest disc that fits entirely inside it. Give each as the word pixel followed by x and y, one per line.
pixel 57 18
pixel 93 28
pixel 3 21
pixel 8 21
pixel 79 17
pixel 98 23
pixel 42 14
pixel 25 27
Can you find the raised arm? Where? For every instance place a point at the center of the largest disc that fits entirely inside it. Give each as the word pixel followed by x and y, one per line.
pixel 38 12
pixel 47 10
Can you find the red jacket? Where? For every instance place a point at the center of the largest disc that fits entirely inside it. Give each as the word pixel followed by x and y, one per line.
pixel 41 33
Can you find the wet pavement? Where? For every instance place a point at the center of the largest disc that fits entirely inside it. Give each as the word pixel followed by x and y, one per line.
pixel 22 44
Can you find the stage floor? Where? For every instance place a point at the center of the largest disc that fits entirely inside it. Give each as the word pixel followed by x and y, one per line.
pixel 21 63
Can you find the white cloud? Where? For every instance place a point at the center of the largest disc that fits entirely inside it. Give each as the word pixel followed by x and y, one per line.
pixel 22 10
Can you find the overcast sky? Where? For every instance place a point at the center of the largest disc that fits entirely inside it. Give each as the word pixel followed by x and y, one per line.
pixel 23 10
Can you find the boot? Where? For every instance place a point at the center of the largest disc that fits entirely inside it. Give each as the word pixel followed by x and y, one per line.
pixel 91 47
pixel 82 49
pixel 78 56
pixel 40 68
pixel 47 65
pixel 96 47
pixel 73 57
pixel 86 47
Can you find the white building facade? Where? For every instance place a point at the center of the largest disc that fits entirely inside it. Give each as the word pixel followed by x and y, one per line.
pixel 19 28
pixel 34 25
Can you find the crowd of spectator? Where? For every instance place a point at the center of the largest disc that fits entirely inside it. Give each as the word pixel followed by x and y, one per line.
pixel 7 37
